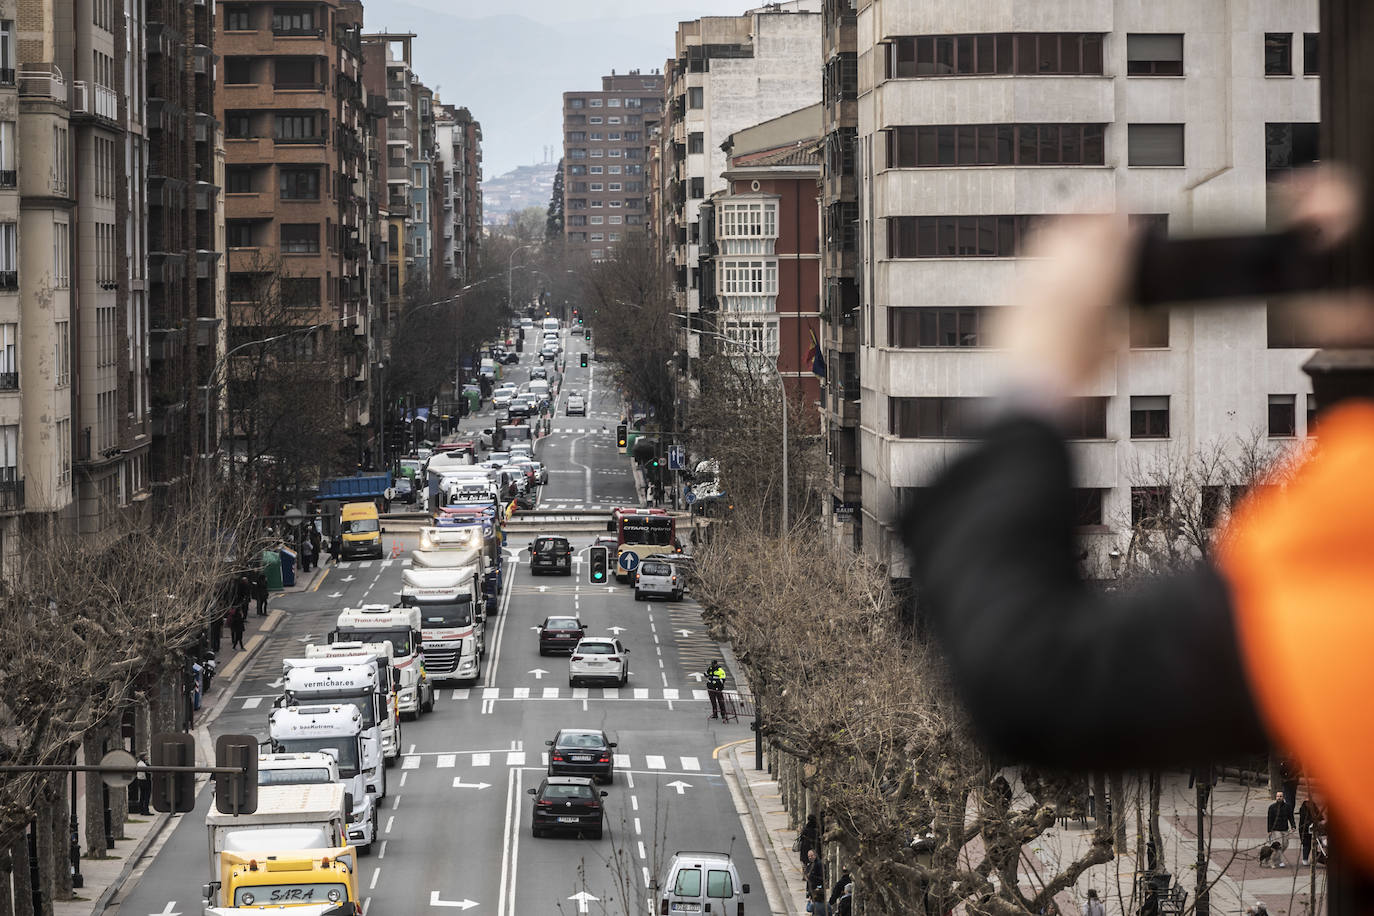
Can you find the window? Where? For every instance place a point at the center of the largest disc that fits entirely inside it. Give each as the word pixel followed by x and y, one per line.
pixel 688 882
pixel 596 170
pixel 238 233
pixel 597 154
pixel 597 254
pixel 1278 54
pixel 9 256
pixel 1311 415
pixel 7 56
pixel 238 70
pixel 696 97
pixel 614 237
pixel 300 292
pixel 614 204
pixel 297 128
pixel 577 136
pixel 577 103
pixel 745 277
pixel 597 136
pixel 613 170
pixel 238 180
pixel 752 337
pixel 598 204
pixel 1213 504
pixel 1149 328
pixel 697 188
pixel 61 254
pixel 934 418
pixel 236 19
pixel 996 144
pixel 595 103
pixel 955 236
pixel 294 20
pixel 613 103
pixel 747 220
pixel 1025 54
pixel 1086 418
pixel 9 356
pixel 595 119
pixel 718 883
pixel 597 186
pixel 1283 415
pixel 1289 145
pixel 598 220
pixel 64 451
pixel 9 452
pixel 938 327
pixel 299 183
pixel 300 238
pixel 1154 55
pixel 295 73
pixel 613 186
pixel 1150 417
pixel 612 154
pixel 1086 508
pixel 1154 144
pixel 1149 507
pixel 62 354
pixel 238 125
pixel 1311 62
pixel 614 220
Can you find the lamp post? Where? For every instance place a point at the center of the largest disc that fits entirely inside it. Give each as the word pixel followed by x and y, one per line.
pixel 510 268
pixel 771 362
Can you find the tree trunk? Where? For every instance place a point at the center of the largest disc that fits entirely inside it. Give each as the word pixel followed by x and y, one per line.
pixel 23 882
pixel 60 818
pixel 1155 855
pixel 94 808
pixel 1100 798
pixel 49 847
pixel 1201 892
pixel 1117 799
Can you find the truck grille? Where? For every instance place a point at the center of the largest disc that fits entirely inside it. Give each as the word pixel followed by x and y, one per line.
pixel 441 661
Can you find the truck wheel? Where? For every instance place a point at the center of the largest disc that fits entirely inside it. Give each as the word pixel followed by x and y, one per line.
pixel 409 716
pixel 428 705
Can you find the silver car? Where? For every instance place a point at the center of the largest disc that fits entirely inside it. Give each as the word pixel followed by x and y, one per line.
pixel 576 405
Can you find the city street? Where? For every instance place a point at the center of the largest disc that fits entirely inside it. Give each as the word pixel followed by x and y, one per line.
pixel 455 825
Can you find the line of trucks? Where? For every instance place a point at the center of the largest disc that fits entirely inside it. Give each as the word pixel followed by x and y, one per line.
pixel 336 729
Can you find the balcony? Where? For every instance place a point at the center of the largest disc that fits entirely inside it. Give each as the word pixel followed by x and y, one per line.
pixel 9 279
pixel 397 135
pixel 397 96
pixel 42 81
pixel 11 491
pixel 298 33
pixel 6 76
pixel 94 101
pixel 299 141
pixel 9 381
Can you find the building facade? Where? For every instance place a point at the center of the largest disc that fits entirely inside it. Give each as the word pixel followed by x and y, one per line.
pixel 459 139
pixel 760 267
pixel 604 190
pixel 973 123
pixel 728 73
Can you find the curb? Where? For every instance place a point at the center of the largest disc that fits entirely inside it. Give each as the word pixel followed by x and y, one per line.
pixel 774 881
pixel 114 887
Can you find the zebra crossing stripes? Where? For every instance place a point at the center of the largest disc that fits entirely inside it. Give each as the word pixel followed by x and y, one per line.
pixel 481 759
pixel 536 694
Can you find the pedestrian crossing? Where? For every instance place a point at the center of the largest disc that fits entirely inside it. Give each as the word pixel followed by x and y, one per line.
pixel 367 564
pixel 507 694
pixel 479 759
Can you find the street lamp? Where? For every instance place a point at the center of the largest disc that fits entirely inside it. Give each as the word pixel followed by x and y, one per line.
pixel 510 266
pixel 771 362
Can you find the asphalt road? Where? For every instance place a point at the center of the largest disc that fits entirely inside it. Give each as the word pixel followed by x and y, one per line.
pixel 455 827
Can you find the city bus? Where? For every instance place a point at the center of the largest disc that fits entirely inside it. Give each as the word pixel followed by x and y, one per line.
pixel 641 532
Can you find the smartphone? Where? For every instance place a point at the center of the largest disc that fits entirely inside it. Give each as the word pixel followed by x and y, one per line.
pixel 1227 267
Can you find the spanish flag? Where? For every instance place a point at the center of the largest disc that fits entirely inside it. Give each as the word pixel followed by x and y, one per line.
pixel 814 357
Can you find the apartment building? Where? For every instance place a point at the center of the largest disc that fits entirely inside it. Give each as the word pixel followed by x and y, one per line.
pixel 727 73
pixel 185 288
pixel 389 70
pixel 459 138
pixel 839 324
pixel 421 239
pixel 290 96
pixel 604 141
pixel 972 123
pixel 760 241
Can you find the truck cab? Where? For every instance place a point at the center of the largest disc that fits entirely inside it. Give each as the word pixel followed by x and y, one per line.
pixel 306 882
pixel 304 768
pixel 360 531
pixel 320 682
pixel 372 624
pixel 450 605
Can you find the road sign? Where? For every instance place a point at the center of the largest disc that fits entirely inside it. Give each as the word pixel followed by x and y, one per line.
pixel 293 517
pixel 677 458
pixel 628 561
pixel 118 758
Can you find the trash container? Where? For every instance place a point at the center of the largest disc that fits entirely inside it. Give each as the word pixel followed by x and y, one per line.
pixel 288 566
pixel 271 568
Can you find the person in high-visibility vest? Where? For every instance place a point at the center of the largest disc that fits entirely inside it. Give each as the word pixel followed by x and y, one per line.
pixel 715 688
pixel 1266 643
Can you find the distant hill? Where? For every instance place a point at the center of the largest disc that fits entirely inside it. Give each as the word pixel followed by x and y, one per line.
pixel 521 187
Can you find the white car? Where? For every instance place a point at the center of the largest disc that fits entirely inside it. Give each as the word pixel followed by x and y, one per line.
pixel 657 577
pixel 485 437
pixel 576 405
pixel 599 658
pixel 548 352
pixel 500 398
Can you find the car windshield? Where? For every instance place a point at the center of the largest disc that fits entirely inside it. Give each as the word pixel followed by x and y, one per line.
pixel 561 623
pixel 568 792
pixel 343 749
pixel 581 739
pixel 295 776
pixel 596 648
pixel 542 544
pixel 359 526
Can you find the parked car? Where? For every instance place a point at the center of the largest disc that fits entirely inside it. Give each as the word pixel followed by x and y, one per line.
pixel 570 803
pixel 599 658
pixel 582 752
pixel 557 634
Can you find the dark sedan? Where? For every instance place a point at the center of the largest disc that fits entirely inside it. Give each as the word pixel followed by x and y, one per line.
pixel 582 752
pixel 560 634
pixel 569 803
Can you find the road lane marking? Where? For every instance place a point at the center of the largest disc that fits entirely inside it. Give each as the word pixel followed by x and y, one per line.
pixel 381 851
pixel 446 761
pixel 690 763
pixel 411 749
pixel 655 762
pixel 515 758
pixel 252 702
pixel 490 693
pixel 638 829
pixel 395 802
pixel 481 760
pixel 410 763
pixel 544 759
pixel 403 779
pixel 634 802
pixel 550 693
pixel 641 693
pixel 622 761
pixel 462 693
pixel 522 693
pixel 376 873
pixel 389 822
pixel 642 853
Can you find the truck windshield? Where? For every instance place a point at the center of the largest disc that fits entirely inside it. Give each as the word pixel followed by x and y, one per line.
pixel 359 526
pixel 344 749
pixel 295 776
pixel 400 639
pixel 364 702
pixel 282 894
pixel 440 615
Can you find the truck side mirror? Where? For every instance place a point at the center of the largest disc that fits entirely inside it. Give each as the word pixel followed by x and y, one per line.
pixel 207 891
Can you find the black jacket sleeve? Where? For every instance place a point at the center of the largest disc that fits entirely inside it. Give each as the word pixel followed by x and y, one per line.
pixel 1054 670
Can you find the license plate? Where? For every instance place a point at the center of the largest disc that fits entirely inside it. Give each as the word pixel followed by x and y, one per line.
pixel 687 907
pixel 568 820
pixel 581 758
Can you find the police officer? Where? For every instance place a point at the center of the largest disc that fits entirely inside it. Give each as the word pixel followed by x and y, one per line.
pixel 715 688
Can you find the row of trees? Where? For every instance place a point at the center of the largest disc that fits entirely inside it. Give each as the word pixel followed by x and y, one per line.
pixel 98 632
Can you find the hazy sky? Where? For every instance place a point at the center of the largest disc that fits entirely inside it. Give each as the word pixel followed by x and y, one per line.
pixel 510 62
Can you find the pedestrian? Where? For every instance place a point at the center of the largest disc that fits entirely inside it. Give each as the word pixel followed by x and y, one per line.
pixel 1259 909
pixel 1309 823
pixel 715 688
pixel 315 542
pixel 1003 585
pixel 837 891
pixel 1280 822
pixel 816 903
pixel 1093 906
pixel 307 555
pixel 217 624
pixel 261 592
pixel 1288 781
pixel 140 789
pixel 809 838
pixel 845 905
pixel 237 620
pixel 815 873
pixel 331 548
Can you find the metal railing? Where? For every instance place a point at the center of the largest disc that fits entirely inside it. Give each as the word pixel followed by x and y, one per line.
pixel 11 491
pixel 43 83
pixel 92 99
pixel 9 381
pixel 9 279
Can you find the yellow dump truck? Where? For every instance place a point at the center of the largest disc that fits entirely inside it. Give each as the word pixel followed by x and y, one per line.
pixel 306 882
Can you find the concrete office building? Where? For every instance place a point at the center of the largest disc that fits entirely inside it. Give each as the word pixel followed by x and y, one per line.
pixel 727 73
pixel 603 160
pixel 976 118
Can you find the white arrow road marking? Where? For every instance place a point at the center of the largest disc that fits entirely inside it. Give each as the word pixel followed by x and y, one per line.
pixel 685 633
pixel 681 786
pixel 538 673
pixel 167 910
pixel 698 675
pixel 347 579
pixel 336 594
pixel 459 784
pixel 583 898
pixel 278 682
pixel 616 631
pixel 464 904
pixel 252 702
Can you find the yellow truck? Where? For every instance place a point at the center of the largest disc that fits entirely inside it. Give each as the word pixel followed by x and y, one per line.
pixel 306 882
pixel 360 531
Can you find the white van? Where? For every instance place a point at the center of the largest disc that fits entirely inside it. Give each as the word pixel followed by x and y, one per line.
pixel 701 882
pixel 550 324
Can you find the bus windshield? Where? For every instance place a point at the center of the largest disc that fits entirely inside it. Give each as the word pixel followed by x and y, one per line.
pixel 656 530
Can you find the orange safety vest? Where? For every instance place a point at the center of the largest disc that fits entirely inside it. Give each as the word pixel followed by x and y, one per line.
pixel 1300 563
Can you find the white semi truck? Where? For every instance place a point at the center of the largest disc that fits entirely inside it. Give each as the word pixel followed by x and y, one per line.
pixel 322 744
pixel 450 606
pixel 401 627
pixel 321 682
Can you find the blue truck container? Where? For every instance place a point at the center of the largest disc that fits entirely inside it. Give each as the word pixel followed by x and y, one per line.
pixel 358 488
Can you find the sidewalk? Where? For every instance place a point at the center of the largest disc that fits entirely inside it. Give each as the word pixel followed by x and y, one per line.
pixel 104 878
pixel 771 831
